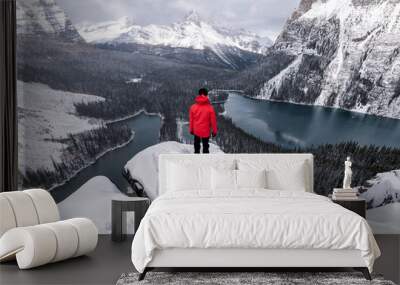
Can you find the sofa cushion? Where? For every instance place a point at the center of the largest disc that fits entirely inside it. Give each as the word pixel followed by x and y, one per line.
pixel 41 244
pixel 23 208
pixel 45 206
pixel 7 220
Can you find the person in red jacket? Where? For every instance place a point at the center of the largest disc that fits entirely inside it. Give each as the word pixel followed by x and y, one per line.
pixel 202 121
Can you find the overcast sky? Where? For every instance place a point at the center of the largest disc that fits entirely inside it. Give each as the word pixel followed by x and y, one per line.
pixel 266 17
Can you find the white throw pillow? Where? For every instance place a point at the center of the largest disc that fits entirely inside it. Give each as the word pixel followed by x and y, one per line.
pixel 190 175
pixel 292 180
pixel 281 174
pixel 251 178
pixel 223 179
pixel 183 178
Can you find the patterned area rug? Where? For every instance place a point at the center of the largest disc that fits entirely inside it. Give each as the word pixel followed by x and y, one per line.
pixel 243 278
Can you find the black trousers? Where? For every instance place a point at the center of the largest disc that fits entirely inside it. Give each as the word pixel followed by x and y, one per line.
pixel 198 141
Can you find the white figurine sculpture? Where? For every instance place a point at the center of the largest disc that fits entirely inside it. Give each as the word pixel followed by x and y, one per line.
pixel 347 174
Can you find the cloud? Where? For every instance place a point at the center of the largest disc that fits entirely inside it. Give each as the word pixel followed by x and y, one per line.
pixel 266 17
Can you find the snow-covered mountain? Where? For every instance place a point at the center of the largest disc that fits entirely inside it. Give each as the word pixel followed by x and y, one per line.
pixel 385 219
pixel 100 191
pixel 383 189
pixel 104 32
pixel 339 53
pixel 44 17
pixel 382 194
pixel 192 32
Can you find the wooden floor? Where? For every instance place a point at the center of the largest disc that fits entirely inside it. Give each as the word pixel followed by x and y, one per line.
pixel 111 259
pixel 103 266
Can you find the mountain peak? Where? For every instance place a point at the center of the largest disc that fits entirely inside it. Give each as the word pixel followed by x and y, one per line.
pixel 193 16
pixel 126 21
pixel 367 46
pixel 38 17
pixel 190 32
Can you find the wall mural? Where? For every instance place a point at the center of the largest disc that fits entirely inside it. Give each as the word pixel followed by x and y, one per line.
pixel 95 89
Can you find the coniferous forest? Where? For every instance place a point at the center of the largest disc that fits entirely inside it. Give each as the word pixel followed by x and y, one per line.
pixel 81 149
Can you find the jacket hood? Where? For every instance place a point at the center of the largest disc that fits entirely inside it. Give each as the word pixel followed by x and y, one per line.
pixel 202 100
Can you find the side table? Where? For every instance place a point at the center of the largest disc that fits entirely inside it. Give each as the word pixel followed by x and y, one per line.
pixel 358 206
pixel 138 205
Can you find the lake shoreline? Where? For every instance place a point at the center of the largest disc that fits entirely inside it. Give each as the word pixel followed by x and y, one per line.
pixel 146 129
pixel 134 115
pixel 285 124
pixel 119 120
pixel 257 98
pixel 321 106
pixel 52 188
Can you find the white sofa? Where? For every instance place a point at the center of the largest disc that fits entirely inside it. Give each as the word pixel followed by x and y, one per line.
pixel 31 231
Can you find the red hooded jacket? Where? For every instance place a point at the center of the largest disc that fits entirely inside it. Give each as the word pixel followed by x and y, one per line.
pixel 202 119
